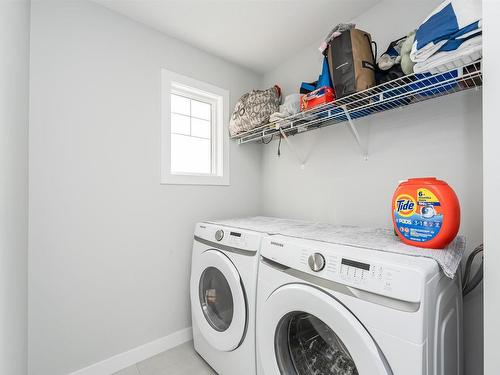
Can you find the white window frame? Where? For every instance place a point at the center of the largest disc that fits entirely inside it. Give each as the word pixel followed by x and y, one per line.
pixel 173 83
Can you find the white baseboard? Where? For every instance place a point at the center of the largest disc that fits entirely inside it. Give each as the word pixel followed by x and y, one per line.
pixel 131 357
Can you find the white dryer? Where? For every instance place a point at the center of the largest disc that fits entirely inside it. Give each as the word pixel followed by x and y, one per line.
pixel 333 309
pixel 223 297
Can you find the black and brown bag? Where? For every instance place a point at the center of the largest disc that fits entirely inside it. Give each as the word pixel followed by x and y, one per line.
pixel 351 62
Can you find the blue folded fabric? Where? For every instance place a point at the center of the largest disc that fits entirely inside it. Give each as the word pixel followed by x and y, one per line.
pixel 438 83
pixel 446 28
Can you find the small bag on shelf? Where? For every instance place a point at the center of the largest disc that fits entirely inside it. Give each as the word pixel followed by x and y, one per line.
pixel 254 109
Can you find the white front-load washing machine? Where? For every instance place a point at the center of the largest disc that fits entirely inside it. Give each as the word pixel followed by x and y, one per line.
pixel 333 309
pixel 222 289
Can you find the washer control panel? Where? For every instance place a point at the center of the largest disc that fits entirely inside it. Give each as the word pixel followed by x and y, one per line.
pixel 354 270
pixel 359 273
pixel 363 273
pixel 360 268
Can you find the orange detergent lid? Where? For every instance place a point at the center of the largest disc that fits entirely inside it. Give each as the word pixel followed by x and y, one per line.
pixel 426 212
pixel 423 180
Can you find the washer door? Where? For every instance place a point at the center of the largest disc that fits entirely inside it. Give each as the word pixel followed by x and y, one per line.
pixel 218 301
pixel 305 331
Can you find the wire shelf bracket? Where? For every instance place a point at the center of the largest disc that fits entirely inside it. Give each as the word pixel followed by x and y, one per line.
pixel 355 134
pixel 297 155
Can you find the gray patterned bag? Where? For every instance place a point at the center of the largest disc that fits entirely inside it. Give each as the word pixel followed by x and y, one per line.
pixel 254 109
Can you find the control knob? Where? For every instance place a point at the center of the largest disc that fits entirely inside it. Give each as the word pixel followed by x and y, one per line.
pixel 219 235
pixel 316 262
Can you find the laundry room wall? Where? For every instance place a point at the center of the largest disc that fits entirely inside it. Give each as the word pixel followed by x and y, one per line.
pixel 491 134
pixel 440 137
pixel 110 247
pixel 14 104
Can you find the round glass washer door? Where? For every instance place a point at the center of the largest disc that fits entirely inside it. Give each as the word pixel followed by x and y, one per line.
pixel 303 330
pixel 218 300
pixel 305 345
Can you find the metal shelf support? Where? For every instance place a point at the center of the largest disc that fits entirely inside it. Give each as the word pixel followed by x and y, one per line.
pixel 355 134
pixel 297 155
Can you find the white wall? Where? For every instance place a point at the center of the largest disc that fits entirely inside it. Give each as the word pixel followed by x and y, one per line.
pixel 110 247
pixel 491 159
pixel 440 138
pixel 14 63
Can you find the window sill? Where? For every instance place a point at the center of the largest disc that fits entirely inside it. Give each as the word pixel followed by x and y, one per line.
pixel 195 180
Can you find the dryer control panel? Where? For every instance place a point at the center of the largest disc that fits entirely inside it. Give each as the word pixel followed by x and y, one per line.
pixel 220 236
pixel 392 275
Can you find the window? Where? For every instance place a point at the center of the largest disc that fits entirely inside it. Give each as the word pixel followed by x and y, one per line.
pixel 195 138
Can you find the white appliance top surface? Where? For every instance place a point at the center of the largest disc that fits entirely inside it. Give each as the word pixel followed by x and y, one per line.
pixel 368 238
pixel 263 224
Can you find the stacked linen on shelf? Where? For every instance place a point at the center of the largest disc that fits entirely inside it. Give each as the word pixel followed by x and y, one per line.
pixel 467 53
pixel 449 37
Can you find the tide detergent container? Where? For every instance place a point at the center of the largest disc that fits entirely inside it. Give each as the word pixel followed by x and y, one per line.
pixel 426 212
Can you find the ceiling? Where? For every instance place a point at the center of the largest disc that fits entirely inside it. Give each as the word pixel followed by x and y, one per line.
pixel 256 34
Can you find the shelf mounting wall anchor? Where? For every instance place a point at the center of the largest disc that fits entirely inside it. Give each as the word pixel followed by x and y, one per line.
pixel 355 133
pixel 294 150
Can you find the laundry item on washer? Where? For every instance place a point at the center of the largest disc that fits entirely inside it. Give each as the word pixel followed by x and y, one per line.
pixel 447 27
pixel 379 239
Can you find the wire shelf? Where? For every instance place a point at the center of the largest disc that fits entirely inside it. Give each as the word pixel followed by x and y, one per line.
pixel 398 93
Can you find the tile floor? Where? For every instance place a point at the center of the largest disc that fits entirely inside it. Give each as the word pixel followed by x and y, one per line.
pixel 181 360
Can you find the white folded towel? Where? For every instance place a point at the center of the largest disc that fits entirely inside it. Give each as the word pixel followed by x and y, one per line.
pixel 446 28
pixel 469 51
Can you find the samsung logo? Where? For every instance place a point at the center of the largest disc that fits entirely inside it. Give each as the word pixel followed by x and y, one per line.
pixel 276 244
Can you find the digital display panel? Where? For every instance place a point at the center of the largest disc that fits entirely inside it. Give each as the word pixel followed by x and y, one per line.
pixel 236 234
pixel 353 263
